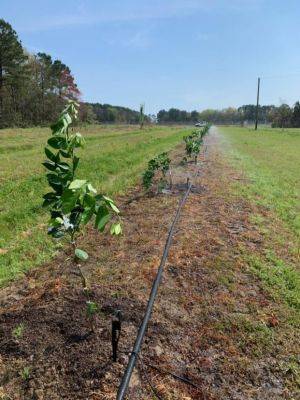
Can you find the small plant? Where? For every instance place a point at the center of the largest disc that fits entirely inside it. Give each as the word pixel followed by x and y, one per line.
pixel 18 331
pixel 192 146
pixel 193 143
pixel 159 164
pixel 73 202
pixel 91 310
pixel 25 374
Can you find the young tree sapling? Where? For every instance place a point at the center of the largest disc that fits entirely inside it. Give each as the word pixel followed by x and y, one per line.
pixel 73 202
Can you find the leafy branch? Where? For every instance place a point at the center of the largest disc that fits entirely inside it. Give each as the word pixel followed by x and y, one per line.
pixel 158 165
pixel 194 141
pixel 73 202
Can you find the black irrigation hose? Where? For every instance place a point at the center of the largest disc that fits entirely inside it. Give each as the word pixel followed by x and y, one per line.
pixel 142 330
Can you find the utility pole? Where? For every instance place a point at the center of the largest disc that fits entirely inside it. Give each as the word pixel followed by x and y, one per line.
pixel 257 103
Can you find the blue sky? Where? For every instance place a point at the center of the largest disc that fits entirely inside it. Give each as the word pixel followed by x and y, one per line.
pixel 190 54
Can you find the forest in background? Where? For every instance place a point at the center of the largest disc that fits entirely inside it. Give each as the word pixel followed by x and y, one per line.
pixel 283 116
pixel 34 89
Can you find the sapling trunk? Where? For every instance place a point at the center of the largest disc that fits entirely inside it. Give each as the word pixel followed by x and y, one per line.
pixel 73 202
pixel 170 179
pixel 76 262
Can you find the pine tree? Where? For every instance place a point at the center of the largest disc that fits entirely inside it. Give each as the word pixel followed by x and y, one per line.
pixel 12 60
pixel 296 115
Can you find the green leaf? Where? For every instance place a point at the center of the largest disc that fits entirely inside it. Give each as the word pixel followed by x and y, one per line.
pixel 77 184
pixel 57 142
pixel 77 140
pixel 49 198
pixel 55 182
pixel 55 179
pixel 114 207
pixel 111 203
pixel 56 233
pixel 75 163
pixel 91 188
pixel 102 218
pixel 57 127
pixel 108 199
pixel 116 229
pixel 67 119
pixel 64 167
pixel 65 154
pixel 89 200
pixel 91 308
pixel 69 199
pixel 89 210
pixel 81 254
pixel 56 222
pixel 87 214
pixel 50 165
pixel 52 157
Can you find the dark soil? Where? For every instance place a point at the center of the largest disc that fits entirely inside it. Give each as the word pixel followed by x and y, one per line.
pixel 213 324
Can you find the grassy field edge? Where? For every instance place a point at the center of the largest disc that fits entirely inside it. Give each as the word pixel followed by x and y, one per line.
pixel 113 160
pixel 273 187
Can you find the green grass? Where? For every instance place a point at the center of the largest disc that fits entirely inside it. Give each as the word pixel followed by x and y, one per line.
pixel 282 279
pixel 113 160
pixel 270 159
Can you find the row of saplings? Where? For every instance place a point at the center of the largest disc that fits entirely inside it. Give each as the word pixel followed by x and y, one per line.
pixel 74 202
pixel 160 165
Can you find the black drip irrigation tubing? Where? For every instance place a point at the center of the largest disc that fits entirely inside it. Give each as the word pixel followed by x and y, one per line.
pixel 142 329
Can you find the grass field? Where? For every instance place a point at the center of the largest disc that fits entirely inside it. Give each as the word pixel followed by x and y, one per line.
pixel 113 160
pixel 270 159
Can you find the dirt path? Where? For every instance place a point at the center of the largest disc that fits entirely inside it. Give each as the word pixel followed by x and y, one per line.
pixel 213 323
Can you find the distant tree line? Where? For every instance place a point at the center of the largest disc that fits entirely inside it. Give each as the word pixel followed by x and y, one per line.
pixel 106 113
pixel 33 87
pixel 174 115
pixel 228 115
pixel 283 116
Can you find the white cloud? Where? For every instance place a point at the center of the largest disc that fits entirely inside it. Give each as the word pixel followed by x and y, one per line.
pixel 90 14
pixel 140 40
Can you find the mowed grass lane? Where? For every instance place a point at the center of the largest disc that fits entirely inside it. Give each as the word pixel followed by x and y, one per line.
pixel 270 158
pixel 113 159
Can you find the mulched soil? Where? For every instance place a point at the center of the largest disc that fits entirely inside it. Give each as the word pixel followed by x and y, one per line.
pixel 213 324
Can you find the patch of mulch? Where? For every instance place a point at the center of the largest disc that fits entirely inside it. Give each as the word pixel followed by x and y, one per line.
pixel 213 324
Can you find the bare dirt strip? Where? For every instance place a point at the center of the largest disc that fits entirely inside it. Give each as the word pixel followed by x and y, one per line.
pixel 213 323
